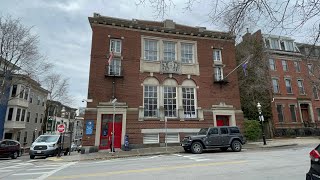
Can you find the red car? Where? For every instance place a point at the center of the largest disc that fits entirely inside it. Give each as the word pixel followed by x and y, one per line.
pixel 314 172
pixel 9 148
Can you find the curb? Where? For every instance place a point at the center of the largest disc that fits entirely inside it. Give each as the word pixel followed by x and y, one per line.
pixel 274 146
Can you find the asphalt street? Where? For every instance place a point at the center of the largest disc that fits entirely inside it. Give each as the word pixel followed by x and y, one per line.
pixel 262 164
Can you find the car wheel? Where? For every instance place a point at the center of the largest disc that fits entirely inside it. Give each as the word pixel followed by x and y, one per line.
pixel 66 152
pixel 14 155
pixel 196 148
pixel 19 153
pixel 236 146
pixel 224 148
pixel 31 157
pixel 187 150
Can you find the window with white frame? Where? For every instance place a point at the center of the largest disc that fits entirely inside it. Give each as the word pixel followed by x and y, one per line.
pixel 315 92
pixel 21 93
pixel 310 69
pixel 188 102
pixel 267 41
pixel 18 114
pixel 170 101
pixel 186 53
pixel 289 45
pixel 150 101
pixel 14 90
pixel 284 65
pixel 217 55
pixel 280 112
pixel 293 113
pixel 301 87
pixel 169 51
pixel 115 67
pixel 272 64
pixel 151 138
pixel 23 115
pixel 218 73
pixel 288 85
pixel 26 93
pixel 172 138
pixel 115 45
pixel 150 49
pixel 297 66
pixel 10 114
pixel 275 85
pixel 275 43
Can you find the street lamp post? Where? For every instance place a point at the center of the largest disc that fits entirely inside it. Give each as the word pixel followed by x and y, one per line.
pixel 261 119
pixel 113 119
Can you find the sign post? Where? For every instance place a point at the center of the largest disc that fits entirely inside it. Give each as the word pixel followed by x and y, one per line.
pixel 61 130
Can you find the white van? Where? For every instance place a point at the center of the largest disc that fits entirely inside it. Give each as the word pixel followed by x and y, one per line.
pixel 47 145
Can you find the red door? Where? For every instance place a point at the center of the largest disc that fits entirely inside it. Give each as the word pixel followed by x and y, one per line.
pixel 222 120
pixel 106 130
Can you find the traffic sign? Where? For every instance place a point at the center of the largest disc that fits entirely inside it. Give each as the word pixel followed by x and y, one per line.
pixel 61 128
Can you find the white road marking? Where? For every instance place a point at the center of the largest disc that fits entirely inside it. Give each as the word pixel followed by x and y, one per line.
pixel 23 174
pixel 31 160
pixel 48 165
pixel 47 174
pixel 40 169
pixel 16 166
pixel 3 171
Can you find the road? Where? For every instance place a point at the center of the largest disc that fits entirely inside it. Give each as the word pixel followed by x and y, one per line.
pixel 282 163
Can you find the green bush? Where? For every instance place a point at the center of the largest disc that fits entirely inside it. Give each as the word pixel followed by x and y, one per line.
pixel 252 130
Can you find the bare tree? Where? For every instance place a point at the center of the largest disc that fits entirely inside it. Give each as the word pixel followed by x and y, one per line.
pixel 19 54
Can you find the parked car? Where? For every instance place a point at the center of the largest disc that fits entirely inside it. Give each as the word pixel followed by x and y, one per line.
pixel 73 147
pixel 48 145
pixel 221 137
pixel 314 172
pixel 10 148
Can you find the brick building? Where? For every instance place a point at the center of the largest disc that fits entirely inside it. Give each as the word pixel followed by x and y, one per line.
pixel 294 96
pixel 158 70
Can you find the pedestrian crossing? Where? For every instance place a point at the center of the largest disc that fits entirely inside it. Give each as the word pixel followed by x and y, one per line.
pixel 193 157
pixel 32 169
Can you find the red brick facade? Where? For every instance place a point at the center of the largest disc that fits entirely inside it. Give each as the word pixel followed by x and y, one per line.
pixel 129 87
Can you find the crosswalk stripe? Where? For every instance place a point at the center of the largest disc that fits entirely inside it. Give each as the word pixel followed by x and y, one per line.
pixel 3 171
pixel 40 169
pixel 23 174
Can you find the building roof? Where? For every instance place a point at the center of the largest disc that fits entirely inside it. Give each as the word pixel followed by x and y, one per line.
pixel 167 26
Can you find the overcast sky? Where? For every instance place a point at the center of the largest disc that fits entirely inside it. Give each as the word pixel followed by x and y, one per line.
pixel 65 33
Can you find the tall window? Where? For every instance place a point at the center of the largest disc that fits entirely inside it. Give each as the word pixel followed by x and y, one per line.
pixel 33 136
pixel 26 93
pixel 10 114
pixel 31 97
pixel 18 114
pixel 288 85
pixel 275 44
pixel 28 117
pixel 188 102
pixel 115 67
pixel 272 64
pixel 275 84
pixel 18 136
pixel 315 92
pixel 284 65
pixel 318 111
pixel 25 137
pixel 150 50
pixel 115 45
pixel 150 101
pixel 186 53
pixel 170 101
pixel 22 89
pixel 169 51
pixel 280 112
pixel 267 43
pixel 297 66
pixel 289 45
pixel 301 87
pixel 41 117
pixel 310 69
pixel 293 113
pixel 42 102
pixel 217 55
pixel 218 73
pixel 38 102
pixel 14 90
pixel 36 119
pixel 23 114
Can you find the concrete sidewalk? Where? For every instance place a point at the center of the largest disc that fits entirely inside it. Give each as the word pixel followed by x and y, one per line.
pixel 104 154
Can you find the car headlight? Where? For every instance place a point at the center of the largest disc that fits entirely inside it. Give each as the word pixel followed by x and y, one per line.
pixel 51 145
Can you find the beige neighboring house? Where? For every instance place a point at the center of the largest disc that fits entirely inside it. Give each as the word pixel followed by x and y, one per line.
pixel 25 111
pixel 78 130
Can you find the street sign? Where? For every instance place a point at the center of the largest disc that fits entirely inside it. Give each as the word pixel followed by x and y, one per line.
pixel 61 128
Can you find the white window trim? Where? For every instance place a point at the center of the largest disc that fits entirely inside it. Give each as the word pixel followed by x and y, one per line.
pixel 158 100
pixel 290 85
pixel 295 111
pixel 151 142
pixel 177 101
pixel 176 140
pixel 285 65
pixel 160 49
pixel 274 64
pixel 221 68
pixel 195 101
pixel 317 91
pixel 277 83
pixel 220 54
pixel 175 49
pixel 113 39
pixel 304 91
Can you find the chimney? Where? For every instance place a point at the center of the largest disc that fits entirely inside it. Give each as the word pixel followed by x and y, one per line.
pixel 168 23
pixel 247 36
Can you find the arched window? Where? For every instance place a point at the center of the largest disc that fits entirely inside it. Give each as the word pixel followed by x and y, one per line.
pixel 189 100
pixel 170 98
pixel 150 97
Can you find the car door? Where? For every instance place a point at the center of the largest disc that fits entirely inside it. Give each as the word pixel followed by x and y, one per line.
pixel 4 148
pixel 224 135
pixel 213 137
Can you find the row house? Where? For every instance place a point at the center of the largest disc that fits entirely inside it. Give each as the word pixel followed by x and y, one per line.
pixel 295 99
pixel 25 110
pixel 158 70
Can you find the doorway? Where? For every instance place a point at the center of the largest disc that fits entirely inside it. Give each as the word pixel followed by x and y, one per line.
pixel 222 120
pixel 106 131
pixel 305 112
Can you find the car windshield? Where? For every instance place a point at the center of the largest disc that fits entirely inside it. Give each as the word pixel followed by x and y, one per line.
pixel 47 139
pixel 203 131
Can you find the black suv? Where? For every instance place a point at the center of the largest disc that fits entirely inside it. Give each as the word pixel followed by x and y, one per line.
pixel 221 137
